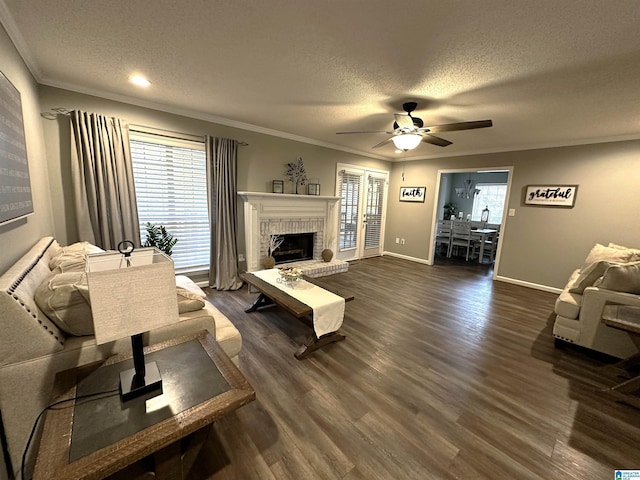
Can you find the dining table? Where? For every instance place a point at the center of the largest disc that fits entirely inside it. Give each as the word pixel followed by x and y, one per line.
pixel 483 234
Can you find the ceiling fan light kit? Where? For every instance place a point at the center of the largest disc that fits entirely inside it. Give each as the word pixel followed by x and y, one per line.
pixel 407 141
pixel 409 131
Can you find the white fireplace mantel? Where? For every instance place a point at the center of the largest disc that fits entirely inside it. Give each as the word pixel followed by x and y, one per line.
pixel 268 213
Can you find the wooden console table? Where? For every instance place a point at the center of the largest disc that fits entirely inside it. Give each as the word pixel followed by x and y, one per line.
pixel 99 436
pixel 272 295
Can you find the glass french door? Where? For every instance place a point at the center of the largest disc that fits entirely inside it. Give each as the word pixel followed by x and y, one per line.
pixel 363 195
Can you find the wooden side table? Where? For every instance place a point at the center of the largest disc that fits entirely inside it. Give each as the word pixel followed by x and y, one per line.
pixel 95 437
pixel 626 318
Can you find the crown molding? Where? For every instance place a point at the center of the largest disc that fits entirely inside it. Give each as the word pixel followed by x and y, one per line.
pixel 206 117
pixel 9 24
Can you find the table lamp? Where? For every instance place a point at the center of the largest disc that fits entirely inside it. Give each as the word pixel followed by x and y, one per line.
pixel 132 292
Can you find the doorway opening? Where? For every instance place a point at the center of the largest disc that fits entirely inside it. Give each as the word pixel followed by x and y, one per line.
pixel 477 196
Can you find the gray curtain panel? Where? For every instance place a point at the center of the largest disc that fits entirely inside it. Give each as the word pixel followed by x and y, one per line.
pixel 102 174
pixel 222 192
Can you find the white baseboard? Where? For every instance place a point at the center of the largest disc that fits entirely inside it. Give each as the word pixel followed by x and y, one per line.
pixel 499 278
pixel 406 257
pixel 522 283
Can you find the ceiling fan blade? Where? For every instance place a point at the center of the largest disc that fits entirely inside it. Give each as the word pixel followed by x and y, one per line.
pixel 404 121
pixel 433 140
pixel 384 142
pixel 452 127
pixel 376 131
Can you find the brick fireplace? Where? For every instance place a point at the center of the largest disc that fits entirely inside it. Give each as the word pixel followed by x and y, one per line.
pixel 267 214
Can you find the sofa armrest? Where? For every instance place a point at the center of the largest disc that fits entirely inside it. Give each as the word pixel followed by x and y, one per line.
pixel 593 303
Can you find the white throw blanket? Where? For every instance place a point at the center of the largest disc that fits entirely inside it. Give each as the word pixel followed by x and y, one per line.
pixel 328 308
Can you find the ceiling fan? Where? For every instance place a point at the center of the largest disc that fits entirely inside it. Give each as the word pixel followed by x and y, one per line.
pixel 409 131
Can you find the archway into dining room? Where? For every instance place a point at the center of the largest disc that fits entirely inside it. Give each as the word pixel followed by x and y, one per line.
pixel 477 198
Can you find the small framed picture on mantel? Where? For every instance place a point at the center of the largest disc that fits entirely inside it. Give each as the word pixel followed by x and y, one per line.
pixel 314 189
pixel 278 186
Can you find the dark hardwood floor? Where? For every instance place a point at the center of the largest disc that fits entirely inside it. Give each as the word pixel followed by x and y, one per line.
pixel 444 374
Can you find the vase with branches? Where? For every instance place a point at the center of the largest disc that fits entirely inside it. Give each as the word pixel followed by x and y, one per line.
pixel 296 173
pixel 274 242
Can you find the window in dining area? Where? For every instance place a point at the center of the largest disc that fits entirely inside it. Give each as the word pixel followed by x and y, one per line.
pixel 491 196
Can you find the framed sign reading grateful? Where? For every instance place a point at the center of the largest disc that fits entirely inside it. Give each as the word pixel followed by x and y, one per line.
pixel 551 195
pixel 412 194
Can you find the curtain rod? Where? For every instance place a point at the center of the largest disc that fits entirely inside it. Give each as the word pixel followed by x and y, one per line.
pixel 57 111
pixel 171 133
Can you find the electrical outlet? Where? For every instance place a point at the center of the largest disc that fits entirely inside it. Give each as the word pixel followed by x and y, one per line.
pixel 402 241
pixel 397 239
pixel 241 257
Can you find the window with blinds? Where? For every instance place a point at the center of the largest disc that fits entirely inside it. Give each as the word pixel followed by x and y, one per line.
pixel 349 206
pixel 491 196
pixel 171 190
pixel 375 202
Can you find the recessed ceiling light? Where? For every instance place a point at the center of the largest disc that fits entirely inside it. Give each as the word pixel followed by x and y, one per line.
pixel 139 80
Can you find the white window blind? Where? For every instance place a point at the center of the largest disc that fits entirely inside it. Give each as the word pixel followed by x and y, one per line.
pixel 492 196
pixel 171 190
pixel 349 205
pixel 375 201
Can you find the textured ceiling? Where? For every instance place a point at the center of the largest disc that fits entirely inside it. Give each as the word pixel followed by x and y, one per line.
pixel 546 72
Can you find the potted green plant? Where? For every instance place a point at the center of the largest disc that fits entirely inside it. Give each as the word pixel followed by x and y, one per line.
pixel 450 209
pixel 159 237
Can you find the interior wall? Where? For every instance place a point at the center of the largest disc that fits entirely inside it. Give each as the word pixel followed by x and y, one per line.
pixel 18 236
pixel 259 163
pixel 541 246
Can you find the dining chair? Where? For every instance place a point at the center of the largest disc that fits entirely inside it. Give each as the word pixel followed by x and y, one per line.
pixel 461 237
pixel 490 248
pixel 443 235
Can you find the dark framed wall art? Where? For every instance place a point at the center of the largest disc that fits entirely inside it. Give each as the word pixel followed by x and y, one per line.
pixel 15 184
pixel 551 195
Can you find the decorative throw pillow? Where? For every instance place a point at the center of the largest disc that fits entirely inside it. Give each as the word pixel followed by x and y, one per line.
pixel 635 252
pixel 589 275
pixel 64 298
pixel 600 252
pixel 186 283
pixel 621 278
pixel 188 301
pixel 72 257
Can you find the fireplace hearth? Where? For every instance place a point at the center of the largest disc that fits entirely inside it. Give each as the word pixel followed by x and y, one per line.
pixel 294 248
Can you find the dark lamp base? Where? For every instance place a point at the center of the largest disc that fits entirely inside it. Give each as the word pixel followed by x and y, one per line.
pixel 133 386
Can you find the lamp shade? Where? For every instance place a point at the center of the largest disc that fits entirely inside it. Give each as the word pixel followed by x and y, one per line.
pixel 131 295
pixel 407 141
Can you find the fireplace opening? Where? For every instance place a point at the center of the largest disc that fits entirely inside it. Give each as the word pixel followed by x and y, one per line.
pixel 295 247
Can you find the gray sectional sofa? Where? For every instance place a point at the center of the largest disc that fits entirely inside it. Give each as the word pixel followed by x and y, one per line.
pixel 33 347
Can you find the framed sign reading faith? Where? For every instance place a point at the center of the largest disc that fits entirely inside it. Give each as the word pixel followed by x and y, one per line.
pixel 15 185
pixel 551 195
pixel 412 194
